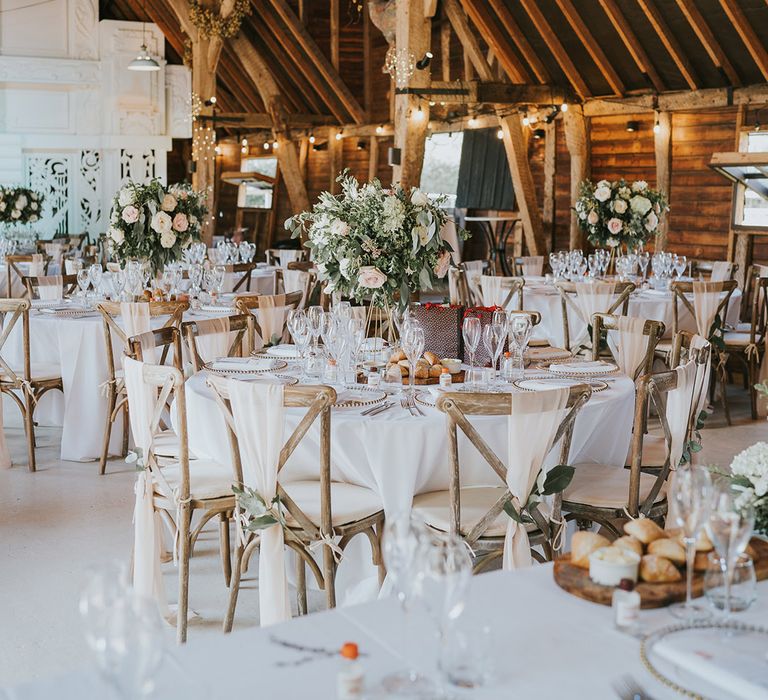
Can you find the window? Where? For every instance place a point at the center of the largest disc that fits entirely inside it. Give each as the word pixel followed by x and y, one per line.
pixel 256 191
pixel 264 166
pixel 755 205
pixel 440 174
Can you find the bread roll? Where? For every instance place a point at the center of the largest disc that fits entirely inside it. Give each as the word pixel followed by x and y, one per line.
pixel 669 549
pixel 422 372
pixel 655 569
pixel 701 562
pixel 703 543
pixel 583 544
pixel 630 543
pixel 644 529
pixel 406 364
pixel 435 370
pixel 397 356
pixel 430 357
pixel 396 371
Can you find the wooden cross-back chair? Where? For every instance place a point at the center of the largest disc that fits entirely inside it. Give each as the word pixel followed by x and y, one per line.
pixel 310 283
pixel 534 316
pixel 244 270
pixel 481 521
pixel 183 485
pixel 747 346
pixel 14 273
pixel 310 513
pixel 251 304
pixel 568 293
pixel 273 255
pixel 115 335
pixel 706 267
pixel 31 380
pixel 652 330
pixel 67 283
pixel 242 343
pixel 509 286
pixel 525 260
pixel 684 347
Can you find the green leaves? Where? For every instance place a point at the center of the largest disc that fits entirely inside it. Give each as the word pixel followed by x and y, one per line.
pixel 558 479
pixel 260 515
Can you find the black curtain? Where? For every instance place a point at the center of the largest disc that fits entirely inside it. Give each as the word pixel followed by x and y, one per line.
pixel 484 179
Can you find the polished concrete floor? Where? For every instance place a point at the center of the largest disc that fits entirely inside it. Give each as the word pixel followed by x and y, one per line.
pixel 64 518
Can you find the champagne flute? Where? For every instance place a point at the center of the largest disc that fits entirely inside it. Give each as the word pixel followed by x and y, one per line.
pixel 471 331
pixel 413 347
pixel 83 281
pixel 690 499
pixel 315 318
pixel 520 330
pixel 96 273
pixel 730 526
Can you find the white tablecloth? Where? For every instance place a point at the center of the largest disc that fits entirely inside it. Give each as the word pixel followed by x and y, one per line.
pixel 542 643
pixel 658 306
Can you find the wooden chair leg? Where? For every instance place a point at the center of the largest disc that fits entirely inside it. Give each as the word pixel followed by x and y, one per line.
pixel 752 368
pixel 185 516
pixel 126 426
pixel 234 587
pixel 301 585
pixel 329 576
pixel 112 402
pixel 224 547
pixel 724 400
pixel 29 426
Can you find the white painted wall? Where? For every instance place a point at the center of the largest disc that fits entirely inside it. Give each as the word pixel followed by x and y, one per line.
pixel 75 123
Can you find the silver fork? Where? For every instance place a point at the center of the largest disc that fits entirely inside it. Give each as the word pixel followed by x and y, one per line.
pixel 414 406
pixel 406 404
pixel 381 408
pixel 627 688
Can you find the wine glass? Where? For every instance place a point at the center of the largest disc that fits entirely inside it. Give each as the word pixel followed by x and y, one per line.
pixel 471 331
pixel 298 327
pixel 520 334
pixel 413 347
pixel 400 316
pixel 195 279
pixel 643 259
pixel 493 340
pixel 690 499
pixel 315 318
pixel 217 279
pixel 729 527
pixel 96 273
pixel 83 281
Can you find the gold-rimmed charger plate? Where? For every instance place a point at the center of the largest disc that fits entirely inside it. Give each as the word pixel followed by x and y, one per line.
pixel 267 378
pixel 557 382
pixel 573 370
pixel 251 366
pixel 359 397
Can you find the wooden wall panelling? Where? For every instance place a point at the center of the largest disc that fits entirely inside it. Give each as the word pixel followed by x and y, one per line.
pixel 662 134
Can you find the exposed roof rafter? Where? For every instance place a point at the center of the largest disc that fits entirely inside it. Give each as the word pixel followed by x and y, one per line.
pixel 747 34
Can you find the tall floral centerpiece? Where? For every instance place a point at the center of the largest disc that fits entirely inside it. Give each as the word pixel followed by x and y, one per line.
pixel 153 223
pixel 377 243
pixel 19 207
pixel 749 476
pixel 619 213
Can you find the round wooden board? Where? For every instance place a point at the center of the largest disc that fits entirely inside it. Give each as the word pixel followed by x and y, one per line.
pixel 457 378
pixel 576 581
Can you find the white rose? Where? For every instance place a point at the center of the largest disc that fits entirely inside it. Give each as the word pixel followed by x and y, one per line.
pixel 2 205
pixel 651 222
pixel 603 183
pixel 33 218
pixel 640 205
pixel 418 198
pixel 371 277
pixel 593 218
pixel 423 233
pixel 612 242
pixel 15 214
pixel 339 227
pixel 21 202
pixel 603 194
pixel 116 234
pixel 34 206
pixel 162 223
pixel 345 267
pixel 125 197
pixel 639 186
pixel 615 225
pixel 168 203
pixel 619 206
pixel 168 239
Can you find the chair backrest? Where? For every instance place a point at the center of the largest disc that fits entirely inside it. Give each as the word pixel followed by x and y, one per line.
pixel 283 256
pixel 297 277
pixel 38 266
pixel 113 332
pixel 758 308
pixel 50 287
pixel 681 291
pixel 631 341
pixel 244 270
pixel 529 265
pixel 11 312
pixel 533 316
pixel 211 338
pixel 457 408
pixel 270 313
pixel 464 283
pixel 569 303
pixel 500 291
pixel 718 270
pixel 144 346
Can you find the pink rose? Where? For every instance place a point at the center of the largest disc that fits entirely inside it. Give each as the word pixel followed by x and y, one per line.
pixel 615 225
pixel 130 214
pixel 593 218
pixel 443 263
pixel 180 222
pixel 371 277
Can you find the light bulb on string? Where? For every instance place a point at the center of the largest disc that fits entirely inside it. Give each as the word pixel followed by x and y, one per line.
pixel 338 136
pixel 311 138
pixel 418 115
pixel 380 129
pixel 526 120
pixel 266 145
pixel 499 134
pixel 244 142
pixel 275 145
pixel 564 107
pixel 472 123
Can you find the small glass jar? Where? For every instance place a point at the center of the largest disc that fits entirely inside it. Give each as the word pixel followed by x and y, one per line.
pixel 743 584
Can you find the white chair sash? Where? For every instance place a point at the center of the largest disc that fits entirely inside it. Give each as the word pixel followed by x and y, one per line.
pixel 680 405
pixel 271 315
pixel 289 255
pixel 628 344
pixel 492 290
pixel 136 321
pixel 593 298
pixel 56 252
pixel 213 338
pixel 706 297
pixel 721 271
pixel 37 266
pixel 534 415
pixel 453 285
pixel 51 287
pixel 533 265
pixel 449 235
pixel 72 266
pixel 258 413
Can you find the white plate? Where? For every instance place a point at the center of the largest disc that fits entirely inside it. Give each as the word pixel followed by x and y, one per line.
pixel 245 365
pixel 267 378
pixel 211 309
pixel 596 367
pixel 547 383
pixel 49 304
pixel 358 397
pixel 285 351
pixel 547 353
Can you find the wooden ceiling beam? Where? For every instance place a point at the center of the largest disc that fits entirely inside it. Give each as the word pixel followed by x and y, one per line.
pixel 670 43
pixel 711 45
pixel 558 50
pixel 592 46
pixel 635 48
pixel 747 34
pixel 318 59
pixel 476 92
pixel 513 29
pixel 488 25
pixel 458 19
pixel 255 120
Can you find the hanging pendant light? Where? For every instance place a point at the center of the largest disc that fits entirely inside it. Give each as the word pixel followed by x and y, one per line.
pixel 144 62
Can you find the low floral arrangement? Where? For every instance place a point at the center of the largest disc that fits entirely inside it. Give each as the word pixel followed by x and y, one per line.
pixel 20 205
pixel 616 213
pixel 475 310
pixel 373 242
pixel 153 223
pixel 749 475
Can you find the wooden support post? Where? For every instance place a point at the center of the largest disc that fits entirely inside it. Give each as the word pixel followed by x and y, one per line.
pixel 662 142
pixel 411 112
pixel 550 170
pixel 334 12
pixel 473 54
pixel 445 50
pixel 303 157
pixel 578 148
pixel 367 67
pixel 740 245
pixel 334 159
pixel 373 158
pixel 522 181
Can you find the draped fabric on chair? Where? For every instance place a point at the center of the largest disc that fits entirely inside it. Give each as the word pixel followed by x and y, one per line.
pixel 721 271
pixel 453 286
pixel 136 321
pixel 73 266
pixel 55 251
pixel 591 298
pixel 147 528
pixel 51 287
pixel 703 372
pixel 258 413
pixel 473 271
pixel 449 235
pixel 37 266
pixel 289 255
pixel 680 405
pixel 628 344
pixel 271 316
pixel 706 299
pixel 213 338
pixel 532 265
pixel 533 413
pixel 494 293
